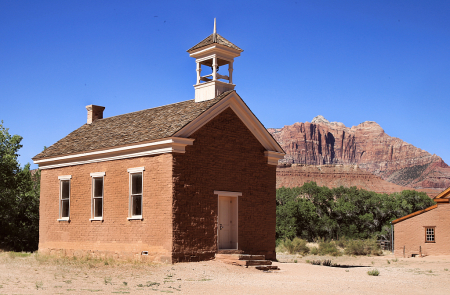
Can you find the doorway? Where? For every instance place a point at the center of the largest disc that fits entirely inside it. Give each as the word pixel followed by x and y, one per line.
pixel 228 222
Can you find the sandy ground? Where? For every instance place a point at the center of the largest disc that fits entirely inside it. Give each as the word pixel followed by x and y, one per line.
pixel 36 274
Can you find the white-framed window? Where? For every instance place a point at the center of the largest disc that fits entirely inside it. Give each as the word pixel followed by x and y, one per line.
pixel 136 180
pixel 98 179
pixel 64 197
pixel 430 234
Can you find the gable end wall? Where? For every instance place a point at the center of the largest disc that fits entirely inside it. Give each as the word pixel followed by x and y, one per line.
pixel 225 156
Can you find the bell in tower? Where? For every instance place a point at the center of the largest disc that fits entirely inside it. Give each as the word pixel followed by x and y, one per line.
pixel 215 52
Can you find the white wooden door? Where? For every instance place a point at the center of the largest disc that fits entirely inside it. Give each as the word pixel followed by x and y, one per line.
pixel 228 223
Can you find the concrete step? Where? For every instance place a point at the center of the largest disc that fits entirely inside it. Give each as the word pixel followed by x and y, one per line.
pixel 230 251
pixel 251 257
pixel 257 262
pixel 247 260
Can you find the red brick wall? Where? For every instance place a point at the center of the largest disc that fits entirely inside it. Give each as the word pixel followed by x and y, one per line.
pixel 115 236
pixel 410 233
pixel 225 156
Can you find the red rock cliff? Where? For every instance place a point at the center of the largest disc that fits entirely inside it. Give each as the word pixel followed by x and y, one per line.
pixel 322 142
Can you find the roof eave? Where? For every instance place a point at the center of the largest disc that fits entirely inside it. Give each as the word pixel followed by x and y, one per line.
pixel 414 214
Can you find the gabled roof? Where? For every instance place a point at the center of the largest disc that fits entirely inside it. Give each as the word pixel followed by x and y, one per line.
pixel 441 198
pixel 131 128
pixel 135 131
pixel 444 194
pixel 214 38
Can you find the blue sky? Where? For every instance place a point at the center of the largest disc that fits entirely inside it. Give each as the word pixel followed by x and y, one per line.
pixel 350 61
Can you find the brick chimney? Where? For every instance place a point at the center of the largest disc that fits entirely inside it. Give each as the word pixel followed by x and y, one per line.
pixel 94 113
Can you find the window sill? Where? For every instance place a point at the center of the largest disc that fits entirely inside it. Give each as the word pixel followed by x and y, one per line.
pixel 135 218
pixel 63 219
pixel 96 219
pixel 430 242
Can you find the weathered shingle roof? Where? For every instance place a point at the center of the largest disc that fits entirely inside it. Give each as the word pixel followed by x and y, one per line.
pixel 130 128
pixel 214 38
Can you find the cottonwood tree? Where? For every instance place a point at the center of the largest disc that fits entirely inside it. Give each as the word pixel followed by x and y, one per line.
pixel 312 212
pixel 19 197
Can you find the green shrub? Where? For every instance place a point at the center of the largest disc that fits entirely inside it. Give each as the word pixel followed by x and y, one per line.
pixel 363 247
pixel 297 245
pixel 373 272
pixel 342 242
pixel 328 248
pixel 314 251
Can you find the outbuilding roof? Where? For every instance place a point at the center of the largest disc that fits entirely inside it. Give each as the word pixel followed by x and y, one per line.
pixel 443 197
pixel 414 214
pixel 444 194
pixel 131 128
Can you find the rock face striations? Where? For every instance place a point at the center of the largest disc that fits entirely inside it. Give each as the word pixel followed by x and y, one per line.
pixel 367 145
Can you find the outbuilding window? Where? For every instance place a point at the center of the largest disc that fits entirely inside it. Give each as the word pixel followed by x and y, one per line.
pixel 136 192
pixel 97 195
pixel 64 197
pixel 430 235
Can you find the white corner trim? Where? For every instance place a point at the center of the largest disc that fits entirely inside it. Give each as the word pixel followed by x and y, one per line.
pixel 228 194
pixel 97 174
pixel 64 177
pixel 273 157
pixel 234 102
pixel 162 146
pixel 135 170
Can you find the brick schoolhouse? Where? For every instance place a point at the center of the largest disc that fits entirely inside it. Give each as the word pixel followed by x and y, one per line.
pixel 425 232
pixel 174 183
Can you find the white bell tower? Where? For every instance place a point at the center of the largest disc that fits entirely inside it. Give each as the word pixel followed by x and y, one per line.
pixel 214 51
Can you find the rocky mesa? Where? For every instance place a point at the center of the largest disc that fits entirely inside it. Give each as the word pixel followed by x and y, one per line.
pixel 367 145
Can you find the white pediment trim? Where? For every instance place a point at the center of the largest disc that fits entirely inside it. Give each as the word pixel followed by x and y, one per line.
pixel 235 102
pixel 162 146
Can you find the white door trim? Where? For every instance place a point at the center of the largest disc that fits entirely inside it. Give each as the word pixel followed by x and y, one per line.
pixel 234 195
pixel 228 194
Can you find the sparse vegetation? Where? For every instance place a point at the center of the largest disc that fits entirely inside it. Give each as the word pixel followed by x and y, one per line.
pixel 328 248
pixel 325 262
pixel 39 285
pixel 362 247
pixel 296 245
pixel 373 272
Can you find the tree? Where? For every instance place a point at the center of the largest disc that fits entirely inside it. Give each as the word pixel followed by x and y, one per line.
pixel 19 197
pixel 312 212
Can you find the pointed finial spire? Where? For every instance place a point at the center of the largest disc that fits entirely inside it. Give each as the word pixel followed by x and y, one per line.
pixel 215 31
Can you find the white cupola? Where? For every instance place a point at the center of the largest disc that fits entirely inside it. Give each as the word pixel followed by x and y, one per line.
pixel 214 51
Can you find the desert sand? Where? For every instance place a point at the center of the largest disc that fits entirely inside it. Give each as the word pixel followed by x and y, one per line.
pixel 36 274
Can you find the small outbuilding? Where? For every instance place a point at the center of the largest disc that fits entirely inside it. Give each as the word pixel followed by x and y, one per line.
pixel 174 183
pixel 425 232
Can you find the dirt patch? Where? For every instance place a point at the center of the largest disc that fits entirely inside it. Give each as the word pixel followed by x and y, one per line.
pixel 35 274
